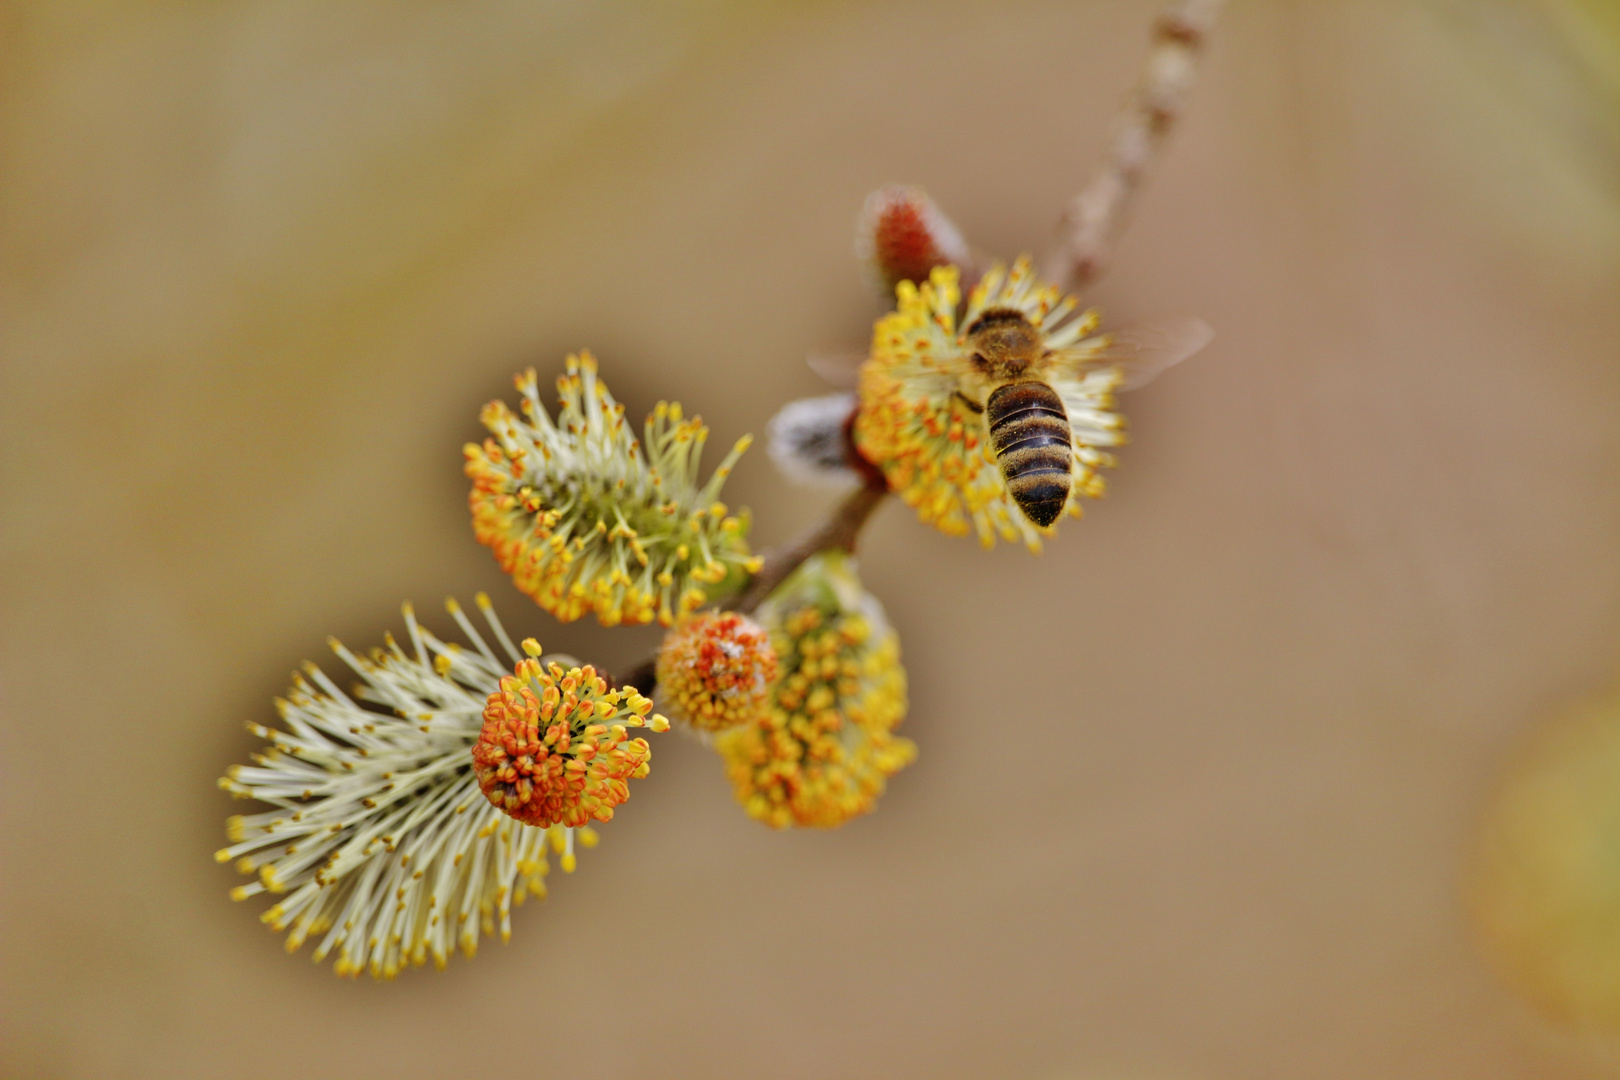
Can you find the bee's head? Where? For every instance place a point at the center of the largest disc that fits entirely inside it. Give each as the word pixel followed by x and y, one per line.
pixel 1003 343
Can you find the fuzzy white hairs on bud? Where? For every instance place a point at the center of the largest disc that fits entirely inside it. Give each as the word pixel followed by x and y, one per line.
pixel 806 441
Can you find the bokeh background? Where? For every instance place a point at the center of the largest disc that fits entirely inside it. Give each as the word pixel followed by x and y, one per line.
pixel 1202 789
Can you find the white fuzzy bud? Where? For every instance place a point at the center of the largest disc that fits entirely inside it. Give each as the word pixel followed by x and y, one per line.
pixel 806 440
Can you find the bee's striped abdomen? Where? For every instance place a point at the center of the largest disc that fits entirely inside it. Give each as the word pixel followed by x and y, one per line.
pixel 1029 432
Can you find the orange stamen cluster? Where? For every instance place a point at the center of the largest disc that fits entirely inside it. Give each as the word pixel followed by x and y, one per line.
pixel 716 669
pixel 554 748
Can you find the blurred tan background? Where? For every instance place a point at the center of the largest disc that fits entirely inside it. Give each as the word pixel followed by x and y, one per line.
pixel 1199 787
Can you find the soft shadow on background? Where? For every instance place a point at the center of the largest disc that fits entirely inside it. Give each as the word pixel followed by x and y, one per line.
pixel 1199 787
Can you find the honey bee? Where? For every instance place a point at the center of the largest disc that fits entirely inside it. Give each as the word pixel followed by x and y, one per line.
pixel 1005 376
pixel 1004 372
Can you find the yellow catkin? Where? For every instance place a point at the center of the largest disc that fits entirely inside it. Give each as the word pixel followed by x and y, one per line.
pixel 376 841
pixel 589 519
pixel 823 751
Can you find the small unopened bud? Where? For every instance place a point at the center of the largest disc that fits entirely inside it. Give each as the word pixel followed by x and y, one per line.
pixel 902 236
pixel 806 440
pixel 716 669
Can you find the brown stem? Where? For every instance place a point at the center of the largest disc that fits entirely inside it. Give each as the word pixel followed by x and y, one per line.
pixel 1088 228
pixel 644 677
pixel 838 531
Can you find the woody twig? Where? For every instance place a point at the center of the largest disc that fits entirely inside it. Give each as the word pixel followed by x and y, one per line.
pixel 1080 255
pixel 1092 222
pixel 837 532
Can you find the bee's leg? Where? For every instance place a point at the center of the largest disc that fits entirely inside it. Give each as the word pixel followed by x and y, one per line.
pixel 970 403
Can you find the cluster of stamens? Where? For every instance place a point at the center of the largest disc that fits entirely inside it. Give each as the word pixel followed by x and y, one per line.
pixel 376 841
pixel 555 748
pixel 823 751
pixel 587 518
pixel 715 669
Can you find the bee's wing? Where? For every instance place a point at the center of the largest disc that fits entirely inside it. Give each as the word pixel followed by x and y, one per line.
pixel 1147 349
pixel 840 365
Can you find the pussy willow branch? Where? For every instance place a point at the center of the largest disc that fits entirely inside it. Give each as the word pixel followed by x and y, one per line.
pixel 1087 231
pixel 837 532
pixel 1085 238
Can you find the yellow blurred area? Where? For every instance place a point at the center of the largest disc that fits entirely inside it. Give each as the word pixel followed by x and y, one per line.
pixel 1548 887
pixel 1592 29
pixel 1199 789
